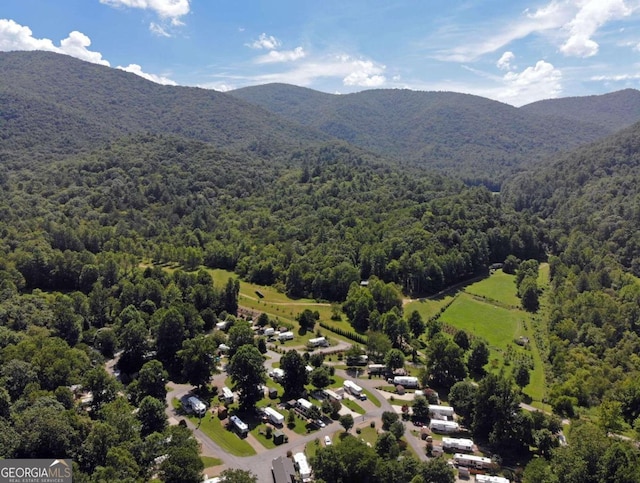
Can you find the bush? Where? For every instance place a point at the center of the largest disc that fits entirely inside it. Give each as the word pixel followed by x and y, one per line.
pixel 358 431
pixel 372 424
pixel 269 432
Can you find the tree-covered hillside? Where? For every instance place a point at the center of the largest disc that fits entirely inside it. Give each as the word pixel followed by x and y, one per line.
pixel 614 111
pixel 54 105
pixel 482 141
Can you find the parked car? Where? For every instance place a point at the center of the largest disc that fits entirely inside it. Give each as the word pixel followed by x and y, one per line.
pixel 327 441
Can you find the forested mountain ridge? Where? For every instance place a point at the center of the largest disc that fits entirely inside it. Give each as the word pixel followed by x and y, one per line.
pixel 614 111
pixel 56 104
pixel 476 138
pixel 593 190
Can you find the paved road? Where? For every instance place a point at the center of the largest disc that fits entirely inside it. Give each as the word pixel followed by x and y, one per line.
pixel 260 464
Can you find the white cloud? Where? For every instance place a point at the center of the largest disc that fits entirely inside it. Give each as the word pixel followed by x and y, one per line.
pixel 159 30
pixel 136 69
pixel 14 36
pixel 504 62
pixel 282 56
pixel 265 41
pixel 592 14
pixel 165 9
pixel 365 74
pixel 542 81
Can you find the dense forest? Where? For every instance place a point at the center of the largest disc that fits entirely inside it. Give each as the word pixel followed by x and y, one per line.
pixel 105 177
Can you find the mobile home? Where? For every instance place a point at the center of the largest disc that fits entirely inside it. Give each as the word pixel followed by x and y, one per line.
pixel 288 335
pixel 239 425
pixel 440 426
pixel 274 416
pixel 377 369
pixel 196 405
pixel 303 466
pixel 457 444
pixel 304 405
pixel 227 395
pixel 331 395
pixel 406 381
pixel 318 342
pixel 472 461
pixel 440 412
pixel 352 388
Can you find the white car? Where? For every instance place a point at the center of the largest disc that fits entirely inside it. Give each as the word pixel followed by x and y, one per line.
pixel 327 441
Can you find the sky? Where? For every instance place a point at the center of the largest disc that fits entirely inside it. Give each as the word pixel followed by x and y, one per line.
pixel 512 51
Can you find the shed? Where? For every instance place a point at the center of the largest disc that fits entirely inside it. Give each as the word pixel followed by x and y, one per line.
pixel 273 393
pixel 279 437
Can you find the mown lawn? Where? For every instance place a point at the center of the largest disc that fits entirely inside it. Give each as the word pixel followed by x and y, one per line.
pixel 209 461
pixel 354 406
pixel 227 440
pixel 427 308
pixel 499 286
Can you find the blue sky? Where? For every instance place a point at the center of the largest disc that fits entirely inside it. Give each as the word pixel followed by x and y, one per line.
pixel 509 50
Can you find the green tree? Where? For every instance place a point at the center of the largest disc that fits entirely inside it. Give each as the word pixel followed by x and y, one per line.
pixel 394 359
pixel 152 380
pixel 134 343
pixel 416 324
pixel 230 296
pixel 478 358
pixel 346 421
pixel 397 428
pixel 436 470
pixel 378 344
pixel 198 361
pixel 388 418
pixel 320 377
pixel 152 416
pixel 247 372
pixel 462 339
pixel 171 333
pixel 308 319
pixel 462 397
pixel 295 373
pixel 521 375
pixel 240 334
pixel 103 387
pixel 387 446
pixel 233 475
pixel 445 361
pixel 420 409
pixel 106 342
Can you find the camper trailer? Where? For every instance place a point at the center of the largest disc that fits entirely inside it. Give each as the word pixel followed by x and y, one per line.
pixel 440 412
pixel 406 381
pixel 288 335
pixel 318 342
pixel 227 395
pixel 377 369
pixel 196 405
pixel 457 444
pixel 472 461
pixel 303 466
pixel 239 425
pixel 491 479
pixel 440 426
pixel 274 416
pixel 352 388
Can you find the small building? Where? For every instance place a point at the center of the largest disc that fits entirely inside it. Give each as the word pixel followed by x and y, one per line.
pixel 472 461
pixel 241 427
pixel 457 444
pixel 440 412
pixel 279 437
pixel 318 342
pixel 273 393
pixel 441 426
pixel 308 368
pixel 406 381
pixel 304 469
pixel 282 470
pixel 274 416
pixel 197 406
pixel 227 395
pixel 352 388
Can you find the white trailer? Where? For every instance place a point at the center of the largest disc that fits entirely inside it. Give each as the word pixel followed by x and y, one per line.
pixel 274 416
pixel 472 461
pixel 227 395
pixel 352 388
pixel 304 405
pixel 269 331
pixel 406 381
pixel 440 412
pixel 239 425
pixel 288 335
pixel 377 369
pixel 277 374
pixel 303 466
pixel 441 426
pixel 331 395
pixel 457 444
pixel 196 405
pixel 318 342
pixel 491 479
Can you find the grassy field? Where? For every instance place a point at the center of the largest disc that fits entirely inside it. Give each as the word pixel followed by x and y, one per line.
pixel 490 309
pixel 427 308
pixel 500 287
pixel 210 461
pixel 227 440
pixel 354 406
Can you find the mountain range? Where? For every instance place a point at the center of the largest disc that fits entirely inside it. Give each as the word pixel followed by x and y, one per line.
pixel 52 105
